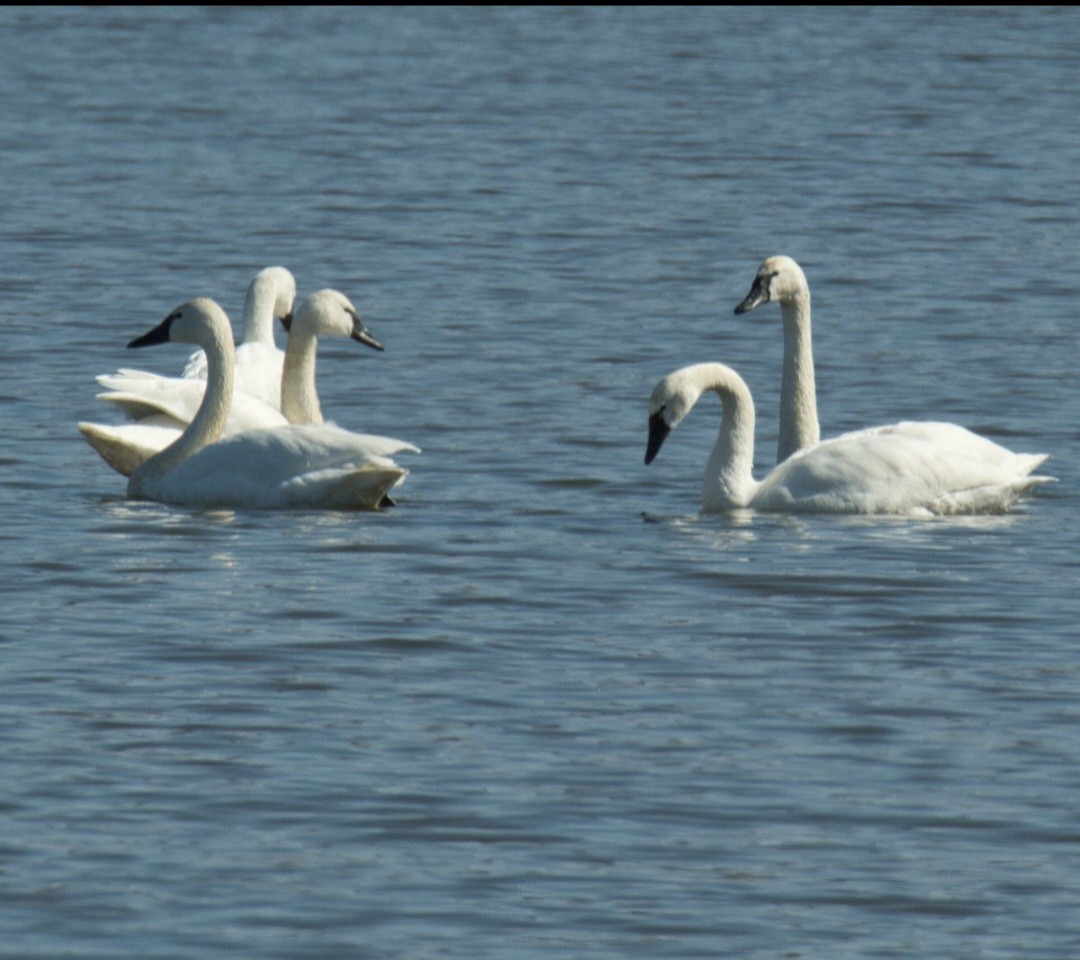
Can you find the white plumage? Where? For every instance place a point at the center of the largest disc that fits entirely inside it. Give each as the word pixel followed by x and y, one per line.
pixel 163 406
pixel 781 280
pixel 908 468
pixel 271 295
pixel 314 465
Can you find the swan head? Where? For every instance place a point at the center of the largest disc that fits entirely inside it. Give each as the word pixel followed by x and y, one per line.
pixel 329 313
pixel 191 322
pixel 779 280
pixel 669 403
pixel 675 396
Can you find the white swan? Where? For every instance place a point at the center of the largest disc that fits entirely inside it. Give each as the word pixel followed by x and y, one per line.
pixel 163 413
pixel 904 469
pixel 317 465
pixel 270 295
pixel 781 280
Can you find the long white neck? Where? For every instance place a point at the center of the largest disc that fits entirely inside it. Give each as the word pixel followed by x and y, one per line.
pixel 206 426
pixel 729 481
pixel 258 324
pixel 798 396
pixel 299 400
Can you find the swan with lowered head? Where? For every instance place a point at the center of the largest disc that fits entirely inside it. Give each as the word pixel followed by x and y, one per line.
pixel 271 294
pixel 890 470
pixel 312 465
pixel 166 412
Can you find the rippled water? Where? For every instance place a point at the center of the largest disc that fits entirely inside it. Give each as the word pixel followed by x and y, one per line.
pixel 543 708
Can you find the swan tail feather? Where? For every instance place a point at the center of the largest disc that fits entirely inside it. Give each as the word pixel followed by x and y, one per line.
pixel 991 498
pixel 139 405
pixel 120 454
pixel 126 374
pixel 366 487
pixel 1029 461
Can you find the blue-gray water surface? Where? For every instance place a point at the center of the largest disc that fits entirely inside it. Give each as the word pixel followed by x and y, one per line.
pixel 543 708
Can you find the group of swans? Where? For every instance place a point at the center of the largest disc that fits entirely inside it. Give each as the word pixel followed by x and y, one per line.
pixel 243 426
pixel 922 468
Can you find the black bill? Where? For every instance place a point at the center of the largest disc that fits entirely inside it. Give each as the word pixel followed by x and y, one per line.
pixel 360 334
pixel 160 333
pixel 759 294
pixel 658 431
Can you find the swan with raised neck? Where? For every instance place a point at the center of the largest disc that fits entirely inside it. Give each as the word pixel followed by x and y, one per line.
pixel 270 296
pixel 202 322
pixel 913 469
pixel 781 280
pixel 172 403
pixel 293 465
pixel 324 313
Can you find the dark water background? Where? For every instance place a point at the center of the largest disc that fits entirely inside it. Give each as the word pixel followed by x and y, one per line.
pixel 543 708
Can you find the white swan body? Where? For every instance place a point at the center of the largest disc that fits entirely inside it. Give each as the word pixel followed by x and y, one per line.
pixel 311 465
pixel 164 406
pixel 913 469
pixel 270 296
pixel 317 465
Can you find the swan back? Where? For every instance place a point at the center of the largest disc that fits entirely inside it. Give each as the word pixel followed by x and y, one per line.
pixel 908 468
pixel 125 446
pixel 141 396
pixel 296 466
